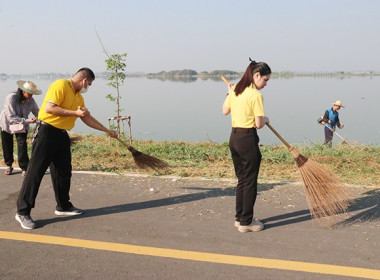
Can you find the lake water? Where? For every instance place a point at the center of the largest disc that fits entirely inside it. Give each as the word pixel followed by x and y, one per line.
pixel 192 111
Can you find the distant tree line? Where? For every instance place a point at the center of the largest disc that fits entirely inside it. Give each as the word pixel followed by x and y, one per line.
pixel 191 73
pixel 174 73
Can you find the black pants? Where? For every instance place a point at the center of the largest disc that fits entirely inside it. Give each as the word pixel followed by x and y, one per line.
pixel 51 147
pixel 246 157
pixel 328 136
pixel 22 149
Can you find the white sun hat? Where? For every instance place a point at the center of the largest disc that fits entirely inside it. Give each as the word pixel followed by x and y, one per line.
pixel 29 87
pixel 338 103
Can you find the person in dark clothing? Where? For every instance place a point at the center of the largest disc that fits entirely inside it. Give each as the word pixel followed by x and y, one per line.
pixel 331 120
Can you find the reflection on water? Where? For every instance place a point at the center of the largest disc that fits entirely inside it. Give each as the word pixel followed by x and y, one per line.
pixel 175 79
pixel 191 110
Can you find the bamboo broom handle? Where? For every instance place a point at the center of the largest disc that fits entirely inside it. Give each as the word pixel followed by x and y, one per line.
pixel 107 130
pixel 225 80
pixel 279 136
pixel 268 125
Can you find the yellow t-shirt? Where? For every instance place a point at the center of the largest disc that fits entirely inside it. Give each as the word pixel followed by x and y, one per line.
pixel 245 107
pixel 61 93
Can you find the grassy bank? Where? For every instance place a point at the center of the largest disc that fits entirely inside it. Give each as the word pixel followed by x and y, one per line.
pixel 358 165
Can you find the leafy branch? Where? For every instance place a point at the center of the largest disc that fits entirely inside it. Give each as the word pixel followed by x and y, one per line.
pixel 116 64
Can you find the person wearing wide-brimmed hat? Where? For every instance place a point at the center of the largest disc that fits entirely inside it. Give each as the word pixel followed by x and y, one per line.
pixel 17 107
pixel 331 120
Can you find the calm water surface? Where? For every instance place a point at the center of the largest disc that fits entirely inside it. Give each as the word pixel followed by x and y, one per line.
pixel 192 111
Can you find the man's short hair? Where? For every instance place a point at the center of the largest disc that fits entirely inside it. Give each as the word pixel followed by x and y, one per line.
pixel 86 73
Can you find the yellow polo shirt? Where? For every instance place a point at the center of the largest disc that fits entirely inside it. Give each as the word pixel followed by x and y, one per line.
pixel 245 107
pixel 61 93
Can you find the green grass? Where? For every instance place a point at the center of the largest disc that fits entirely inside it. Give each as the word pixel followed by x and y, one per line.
pixel 357 165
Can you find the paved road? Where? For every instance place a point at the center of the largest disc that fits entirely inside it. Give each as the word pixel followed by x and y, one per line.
pixel 168 228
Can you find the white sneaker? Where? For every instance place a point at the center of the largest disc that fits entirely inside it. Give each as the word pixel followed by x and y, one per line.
pixel 237 223
pixel 256 225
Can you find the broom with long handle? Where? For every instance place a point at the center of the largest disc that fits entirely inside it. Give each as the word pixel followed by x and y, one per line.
pixel 141 160
pixel 324 191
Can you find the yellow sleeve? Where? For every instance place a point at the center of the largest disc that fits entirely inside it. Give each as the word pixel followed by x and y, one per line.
pixel 258 106
pixel 55 93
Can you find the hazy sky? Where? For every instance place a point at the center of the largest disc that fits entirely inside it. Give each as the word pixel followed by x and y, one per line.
pixel 204 35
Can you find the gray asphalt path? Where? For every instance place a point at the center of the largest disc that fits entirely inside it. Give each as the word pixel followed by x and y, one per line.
pixel 186 216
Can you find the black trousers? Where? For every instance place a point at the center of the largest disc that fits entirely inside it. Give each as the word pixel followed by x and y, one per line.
pixel 22 149
pixel 328 136
pixel 51 147
pixel 246 156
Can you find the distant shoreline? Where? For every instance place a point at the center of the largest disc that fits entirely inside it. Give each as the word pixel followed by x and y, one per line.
pixel 193 75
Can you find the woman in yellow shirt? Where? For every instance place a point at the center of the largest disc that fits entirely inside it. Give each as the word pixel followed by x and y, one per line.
pixel 245 103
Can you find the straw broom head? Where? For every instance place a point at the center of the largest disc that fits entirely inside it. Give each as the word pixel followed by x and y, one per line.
pixel 146 161
pixel 324 191
pixel 75 139
pixel 141 160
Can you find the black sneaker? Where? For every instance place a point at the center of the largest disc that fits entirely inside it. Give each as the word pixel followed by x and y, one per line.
pixel 72 211
pixel 25 221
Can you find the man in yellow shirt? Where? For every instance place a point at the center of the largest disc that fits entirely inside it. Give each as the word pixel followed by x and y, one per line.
pixel 62 105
